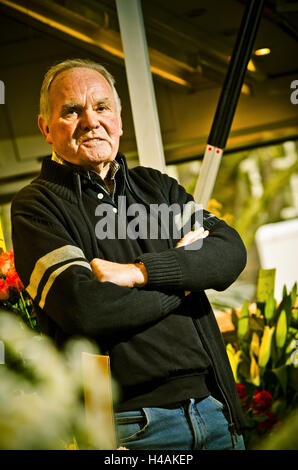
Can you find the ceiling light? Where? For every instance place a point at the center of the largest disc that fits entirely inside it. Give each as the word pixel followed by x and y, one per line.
pixel 245 89
pixel 251 66
pixel 263 51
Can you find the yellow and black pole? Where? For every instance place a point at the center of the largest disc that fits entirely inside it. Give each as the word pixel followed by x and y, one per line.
pixel 228 101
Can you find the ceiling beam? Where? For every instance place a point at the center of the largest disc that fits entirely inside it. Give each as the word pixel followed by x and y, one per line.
pixel 89 32
pixel 98 34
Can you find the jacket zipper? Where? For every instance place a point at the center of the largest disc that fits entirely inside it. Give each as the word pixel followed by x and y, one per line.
pixel 139 198
pixel 232 427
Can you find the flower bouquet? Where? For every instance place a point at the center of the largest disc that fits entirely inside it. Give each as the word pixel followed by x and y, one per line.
pixel 13 296
pixel 263 358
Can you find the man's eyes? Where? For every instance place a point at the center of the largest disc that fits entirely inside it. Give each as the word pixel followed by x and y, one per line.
pixel 74 110
pixel 70 112
pixel 102 107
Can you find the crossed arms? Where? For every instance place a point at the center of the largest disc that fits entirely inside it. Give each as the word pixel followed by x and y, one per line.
pixel 64 282
pixel 134 274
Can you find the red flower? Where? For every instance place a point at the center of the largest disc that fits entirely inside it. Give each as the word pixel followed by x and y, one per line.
pixel 4 290
pixel 13 280
pixel 6 262
pixel 262 400
pixel 10 278
pixel 241 390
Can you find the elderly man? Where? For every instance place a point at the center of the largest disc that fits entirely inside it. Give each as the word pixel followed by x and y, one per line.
pixel 141 297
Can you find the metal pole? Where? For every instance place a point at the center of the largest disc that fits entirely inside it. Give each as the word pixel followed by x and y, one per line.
pixel 140 84
pixel 228 101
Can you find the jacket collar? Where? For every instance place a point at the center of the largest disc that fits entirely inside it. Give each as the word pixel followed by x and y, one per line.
pixel 63 178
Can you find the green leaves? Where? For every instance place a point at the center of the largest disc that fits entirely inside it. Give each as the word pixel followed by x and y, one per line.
pixel 294 294
pixel 243 323
pixel 266 338
pixel 269 309
pixel 281 330
pixel 281 375
pixel 264 353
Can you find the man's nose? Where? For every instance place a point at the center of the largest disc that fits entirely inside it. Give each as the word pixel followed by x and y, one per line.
pixel 90 120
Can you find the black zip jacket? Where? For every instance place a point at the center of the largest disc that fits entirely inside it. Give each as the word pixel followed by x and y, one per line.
pixel 54 222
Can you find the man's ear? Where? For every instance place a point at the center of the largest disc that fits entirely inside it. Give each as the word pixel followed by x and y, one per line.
pixel 120 125
pixel 44 128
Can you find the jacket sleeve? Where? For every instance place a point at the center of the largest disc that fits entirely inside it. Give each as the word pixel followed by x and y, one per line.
pixel 59 279
pixel 211 263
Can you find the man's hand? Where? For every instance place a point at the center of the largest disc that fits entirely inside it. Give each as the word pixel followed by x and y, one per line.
pixel 134 275
pixel 192 236
pixel 126 275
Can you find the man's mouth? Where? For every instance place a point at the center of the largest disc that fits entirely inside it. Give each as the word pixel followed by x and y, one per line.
pixel 92 140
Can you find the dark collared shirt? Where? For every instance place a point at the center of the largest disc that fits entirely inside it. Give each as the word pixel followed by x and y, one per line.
pixel 92 182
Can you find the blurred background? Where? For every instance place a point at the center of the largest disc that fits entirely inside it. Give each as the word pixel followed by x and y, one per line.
pixel 190 44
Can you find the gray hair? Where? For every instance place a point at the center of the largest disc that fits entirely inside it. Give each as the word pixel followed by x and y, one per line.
pixel 45 107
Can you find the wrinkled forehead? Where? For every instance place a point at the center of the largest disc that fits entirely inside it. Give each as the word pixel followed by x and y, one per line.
pixel 77 83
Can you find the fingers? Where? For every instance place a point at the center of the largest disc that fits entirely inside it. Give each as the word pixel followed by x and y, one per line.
pixel 192 236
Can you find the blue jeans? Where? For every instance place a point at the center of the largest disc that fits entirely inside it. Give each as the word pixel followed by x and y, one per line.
pixel 195 426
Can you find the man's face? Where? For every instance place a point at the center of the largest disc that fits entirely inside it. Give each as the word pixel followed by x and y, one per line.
pixel 85 125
